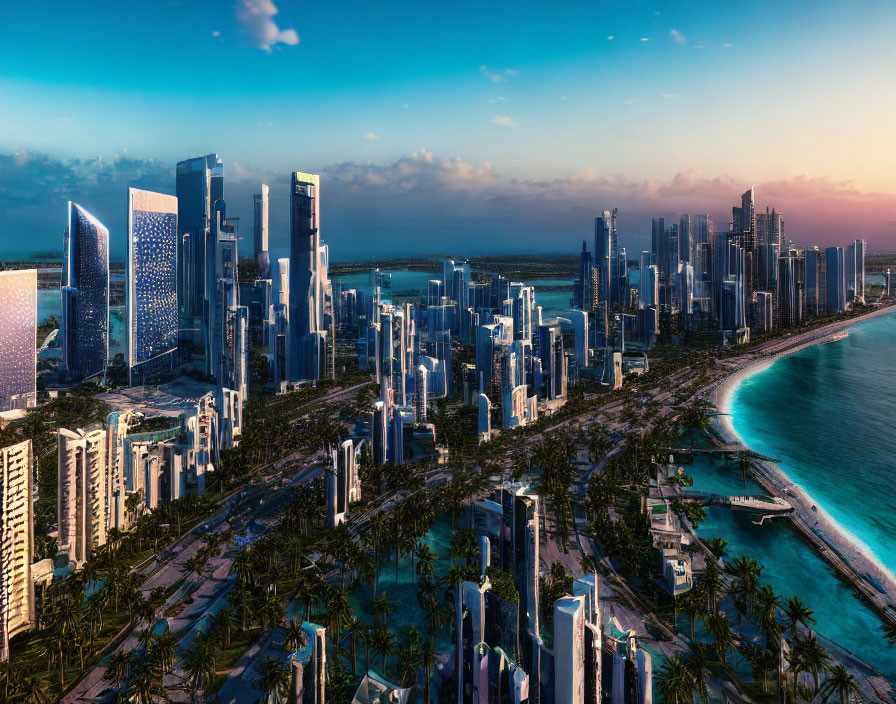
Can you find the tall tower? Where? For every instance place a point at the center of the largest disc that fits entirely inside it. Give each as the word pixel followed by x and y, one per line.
pixel 17 613
pixel 18 339
pixel 85 295
pixel 305 290
pixel 152 317
pixel 199 184
pixel 260 232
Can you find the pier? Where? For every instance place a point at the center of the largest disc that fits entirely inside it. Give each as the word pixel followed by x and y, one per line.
pixel 765 505
pixel 727 451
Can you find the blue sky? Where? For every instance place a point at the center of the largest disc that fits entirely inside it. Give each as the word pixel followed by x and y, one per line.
pixel 657 107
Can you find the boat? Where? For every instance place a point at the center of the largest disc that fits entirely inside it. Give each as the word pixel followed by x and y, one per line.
pixel 837 336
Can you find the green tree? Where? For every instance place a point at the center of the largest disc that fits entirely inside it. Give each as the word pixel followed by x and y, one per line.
pixel 675 681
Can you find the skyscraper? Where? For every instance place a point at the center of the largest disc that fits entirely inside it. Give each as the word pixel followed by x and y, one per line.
pixel 309 334
pixel 18 339
pixel 743 219
pixel 152 317
pixel 855 272
pixel 605 248
pixel 199 185
pixel 82 501
pixel 261 232
pixel 17 612
pixel 835 280
pixel 85 295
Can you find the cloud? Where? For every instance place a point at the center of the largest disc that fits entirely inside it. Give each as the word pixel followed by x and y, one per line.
pixel 645 39
pixel 505 121
pixel 629 101
pixel 371 136
pixel 727 45
pixel 423 203
pixel 678 37
pixel 669 96
pixel 611 38
pixel 216 33
pixel 256 16
pixel 405 106
pixel 497 76
pixel 63 119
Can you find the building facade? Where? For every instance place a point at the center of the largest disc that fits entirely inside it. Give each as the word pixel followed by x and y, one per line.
pixel 152 311
pixel 18 339
pixel 85 295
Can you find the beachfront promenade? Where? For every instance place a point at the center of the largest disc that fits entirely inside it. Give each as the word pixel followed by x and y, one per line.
pixel 861 570
pixel 767 505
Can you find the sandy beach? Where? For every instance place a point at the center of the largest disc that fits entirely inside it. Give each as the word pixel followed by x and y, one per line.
pixel 853 560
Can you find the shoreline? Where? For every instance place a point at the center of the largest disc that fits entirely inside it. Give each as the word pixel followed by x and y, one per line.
pixel 842 550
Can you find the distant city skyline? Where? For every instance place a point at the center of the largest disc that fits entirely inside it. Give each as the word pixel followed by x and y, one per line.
pixel 492 129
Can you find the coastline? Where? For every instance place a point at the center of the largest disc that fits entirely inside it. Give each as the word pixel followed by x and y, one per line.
pixel 853 560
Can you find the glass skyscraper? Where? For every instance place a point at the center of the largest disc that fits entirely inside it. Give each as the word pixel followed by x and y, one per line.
pixel 152 314
pixel 304 277
pixel 18 339
pixel 199 185
pixel 85 295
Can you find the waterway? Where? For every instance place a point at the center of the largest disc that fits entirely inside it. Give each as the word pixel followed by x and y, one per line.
pixel 826 413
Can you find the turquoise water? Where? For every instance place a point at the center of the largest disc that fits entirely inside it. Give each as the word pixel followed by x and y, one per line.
pixel 792 568
pixel 825 413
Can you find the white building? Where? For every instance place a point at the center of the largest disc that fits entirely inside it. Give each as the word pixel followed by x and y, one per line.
pixel 17 613
pixel 82 500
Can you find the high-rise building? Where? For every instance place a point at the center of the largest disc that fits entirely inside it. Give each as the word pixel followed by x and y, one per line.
pixel 815 281
pixel 82 501
pixel 743 219
pixel 343 483
pixel 769 228
pixel 582 285
pixel 605 252
pixel 835 280
pixel 17 611
pixel 569 650
pixel 18 339
pixel 310 321
pixel 260 232
pixel 152 316
pixel 553 362
pixel 855 272
pixel 199 185
pixel 85 295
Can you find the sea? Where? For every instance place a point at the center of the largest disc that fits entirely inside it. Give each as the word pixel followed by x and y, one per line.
pixel 827 414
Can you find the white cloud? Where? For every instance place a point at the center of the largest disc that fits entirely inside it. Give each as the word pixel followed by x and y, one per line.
pixel 257 18
pixel 562 97
pixel 405 106
pixel 216 33
pixel 629 101
pixel 677 36
pixel 371 136
pixel 497 76
pixel 505 121
pixel 645 39
pixel 727 45
pixel 611 37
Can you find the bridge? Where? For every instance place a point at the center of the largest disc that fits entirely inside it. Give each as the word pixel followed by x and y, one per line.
pixel 725 450
pixel 766 505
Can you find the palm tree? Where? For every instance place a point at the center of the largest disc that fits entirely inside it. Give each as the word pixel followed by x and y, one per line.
pixel 339 610
pixel 813 657
pixel 717 546
pixel 720 629
pixel 200 664
pixel 117 668
pixel 32 690
pixel 425 561
pixel 692 605
pixel 797 612
pixel 840 681
pixel 711 584
pixel 676 682
pixel 383 642
pixel 296 637
pixel 356 629
pixel 698 664
pixel 273 679
pixel 162 649
pixel 381 606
